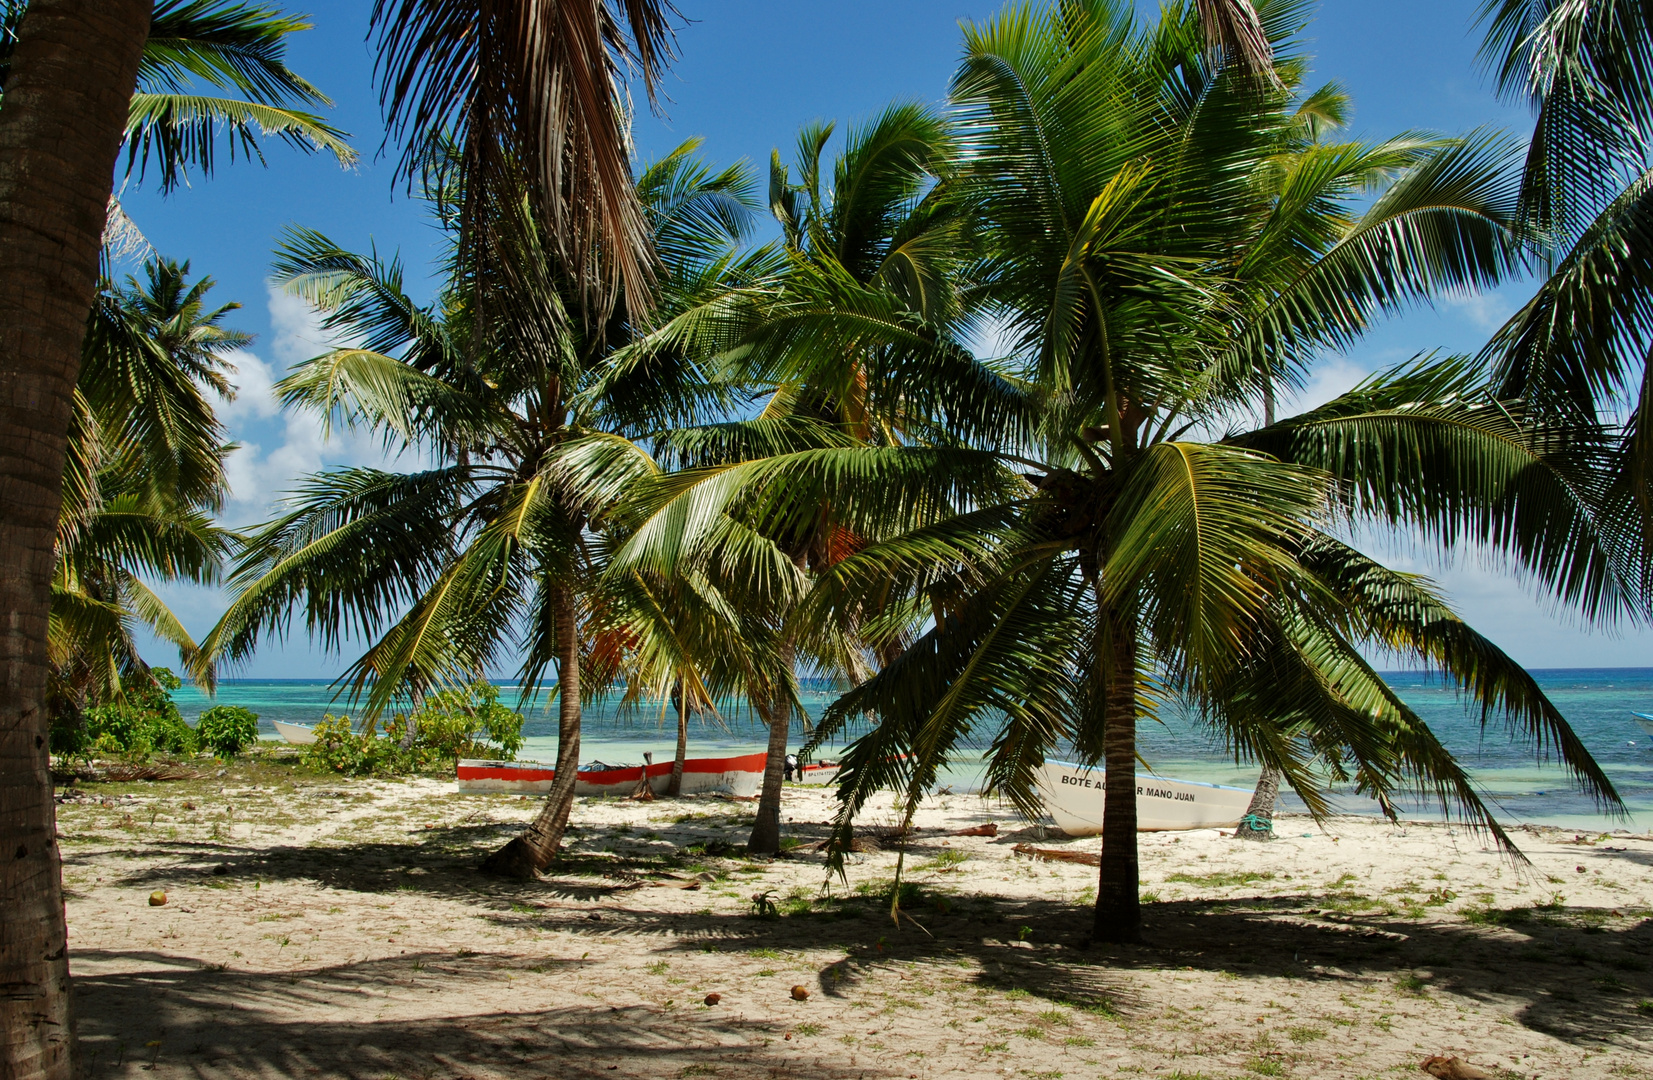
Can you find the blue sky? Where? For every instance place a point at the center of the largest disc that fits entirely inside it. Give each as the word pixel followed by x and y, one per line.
pixel 749 75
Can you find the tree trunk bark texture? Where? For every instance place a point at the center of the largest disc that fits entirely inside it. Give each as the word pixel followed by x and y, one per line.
pixel 766 831
pixel 1258 823
pixel 72 76
pixel 526 855
pixel 674 787
pixel 1118 909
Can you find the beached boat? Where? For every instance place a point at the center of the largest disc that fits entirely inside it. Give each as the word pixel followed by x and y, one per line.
pixel 297 734
pixel 818 772
pixel 731 776
pixel 1073 795
pixel 1645 721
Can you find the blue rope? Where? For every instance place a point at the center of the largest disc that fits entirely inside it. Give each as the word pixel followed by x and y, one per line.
pixel 1257 823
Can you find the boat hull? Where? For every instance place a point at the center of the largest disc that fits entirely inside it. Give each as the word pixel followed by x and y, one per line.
pixel 818 774
pixel 296 734
pixel 1073 794
pixel 741 776
pixel 1645 721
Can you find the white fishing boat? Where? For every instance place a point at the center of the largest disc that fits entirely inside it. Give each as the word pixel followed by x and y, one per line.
pixel 297 734
pixel 741 776
pixel 1074 796
pixel 1645 721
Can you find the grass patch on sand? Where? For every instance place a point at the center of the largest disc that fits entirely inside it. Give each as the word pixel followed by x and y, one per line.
pixel 1222 879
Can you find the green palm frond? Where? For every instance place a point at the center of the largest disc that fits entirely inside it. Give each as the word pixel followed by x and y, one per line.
pixel 1402 613
pixel 353 549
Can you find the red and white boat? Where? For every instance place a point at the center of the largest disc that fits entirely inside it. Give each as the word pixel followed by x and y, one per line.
pixel 818 772
pixel 741 775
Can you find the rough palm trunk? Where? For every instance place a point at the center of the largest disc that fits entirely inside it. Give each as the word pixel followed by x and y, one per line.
pixel 73 72
pixel 528 854
pixel 674 787
pixel 1118 910
pixel 766 831
pixel 1258 823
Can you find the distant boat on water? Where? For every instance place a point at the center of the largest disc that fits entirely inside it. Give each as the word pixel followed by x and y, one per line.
pixel 297 734
pixel 741 776
pixel 1074 796
pixel 1645 721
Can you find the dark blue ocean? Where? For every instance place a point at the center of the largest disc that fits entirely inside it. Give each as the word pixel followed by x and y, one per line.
pixel 1596 701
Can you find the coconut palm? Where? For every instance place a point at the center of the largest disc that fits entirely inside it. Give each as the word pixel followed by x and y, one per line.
pixel 494 545
pixel 853 341
pixel 532 89
pixel 1158 269
pixel 145 474
pixel 65 115
pixel 1577 348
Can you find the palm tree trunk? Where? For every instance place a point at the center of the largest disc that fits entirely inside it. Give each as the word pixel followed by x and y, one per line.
pixel 1118 910
pixel 766 831
pixel 528 854
pixel 674 787
pixel 73 71
pixel 1258 823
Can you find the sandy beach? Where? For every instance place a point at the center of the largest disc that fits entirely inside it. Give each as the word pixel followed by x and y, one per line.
pixel 319 928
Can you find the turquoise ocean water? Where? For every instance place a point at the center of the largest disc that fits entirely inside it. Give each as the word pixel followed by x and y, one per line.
pixel 1596 701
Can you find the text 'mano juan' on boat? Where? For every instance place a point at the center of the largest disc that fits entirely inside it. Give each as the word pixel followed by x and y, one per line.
pixel 1074 796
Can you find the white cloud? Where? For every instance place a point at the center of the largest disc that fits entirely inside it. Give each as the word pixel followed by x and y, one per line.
pixel 260 477
pixel 1485 311
pixel 254 390
pixel 1332 377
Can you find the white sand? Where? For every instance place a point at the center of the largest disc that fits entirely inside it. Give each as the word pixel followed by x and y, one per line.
pixel 350 936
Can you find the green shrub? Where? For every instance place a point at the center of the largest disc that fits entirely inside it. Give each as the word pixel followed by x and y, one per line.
pixel 141 722
pixel 468 723
pixel 448 725
pixel 226 730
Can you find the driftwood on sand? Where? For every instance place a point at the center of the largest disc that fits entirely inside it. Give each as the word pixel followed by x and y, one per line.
pixel 1453 1068
pixel 1058 855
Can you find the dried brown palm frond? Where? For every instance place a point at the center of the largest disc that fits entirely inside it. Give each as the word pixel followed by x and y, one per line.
pixel 1232 27
pixel 541 83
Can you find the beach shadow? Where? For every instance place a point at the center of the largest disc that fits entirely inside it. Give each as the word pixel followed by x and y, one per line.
pixel 184 1020
pixel 1577 974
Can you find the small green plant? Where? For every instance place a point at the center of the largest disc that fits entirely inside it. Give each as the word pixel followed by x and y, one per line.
pixel 1024 933
pixel 1645 1006
pixel 808 1030
pixel 141 722
pixel 227 730
pixel 1411 984
pixel 659 967
pixel 763 905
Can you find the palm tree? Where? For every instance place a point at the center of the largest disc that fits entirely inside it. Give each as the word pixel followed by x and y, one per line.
pixel 530 429
pixel 145 473
pixel 1158 269
pixel 532 88
pixel 1576 349
pixel 66 113
pixel 853 342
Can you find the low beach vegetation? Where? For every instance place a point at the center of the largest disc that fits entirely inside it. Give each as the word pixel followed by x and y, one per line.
pixel 467 722
pixel 226 730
